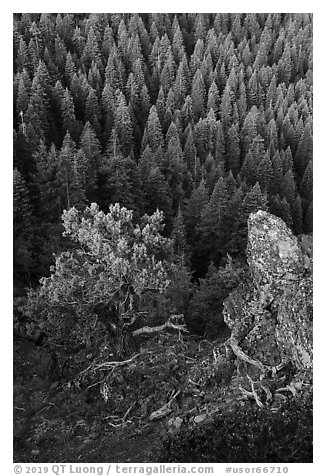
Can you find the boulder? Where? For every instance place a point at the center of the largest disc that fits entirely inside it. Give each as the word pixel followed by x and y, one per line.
pixel 270 315
pixel 274 255
pixel 268 357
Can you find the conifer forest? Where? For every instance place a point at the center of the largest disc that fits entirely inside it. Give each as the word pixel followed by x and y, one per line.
pixel 143 144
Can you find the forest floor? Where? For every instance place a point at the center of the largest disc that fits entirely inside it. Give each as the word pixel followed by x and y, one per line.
pixel 67 424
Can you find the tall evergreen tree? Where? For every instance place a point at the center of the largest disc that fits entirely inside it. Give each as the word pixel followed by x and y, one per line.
pixel 123 125
pixel 297 215
pixel 153 131
pixel 198 95
pixel 23 230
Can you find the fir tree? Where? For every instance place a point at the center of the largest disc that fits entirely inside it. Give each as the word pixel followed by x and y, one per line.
pixel 123 125
pixel 289 187
pixel 198 95
pixel 297 215
pixel 233 149
pixel 178 236
pixel 68 113
pixel 306 184
pixel 23 230
pixel 153 131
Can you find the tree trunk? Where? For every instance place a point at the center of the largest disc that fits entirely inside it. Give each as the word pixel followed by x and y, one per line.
pixel 125 341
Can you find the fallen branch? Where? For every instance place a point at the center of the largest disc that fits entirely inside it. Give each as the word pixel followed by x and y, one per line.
pixel 127 412
pixel 256 363
pixel 108 366
pixel 119 424
pixel 268 393
pixel 259 403
pixel 239 353
pixel 114 364
pixel 253 393
pixel 165 410
pixel 288 388
pixel 166 325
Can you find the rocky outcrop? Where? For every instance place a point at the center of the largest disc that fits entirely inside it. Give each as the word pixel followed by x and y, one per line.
pixel 268 356
pixel 271 314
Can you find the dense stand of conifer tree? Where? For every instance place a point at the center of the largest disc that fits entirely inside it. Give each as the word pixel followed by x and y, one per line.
pixel 207 117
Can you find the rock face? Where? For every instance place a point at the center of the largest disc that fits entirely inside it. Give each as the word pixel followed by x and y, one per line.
pixel 269 354
pixel 270 316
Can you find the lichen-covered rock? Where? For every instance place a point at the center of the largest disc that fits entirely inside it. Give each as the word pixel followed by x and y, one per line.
pixel 294 329
pixel 274 255
pixel 269 354
pixel 270 316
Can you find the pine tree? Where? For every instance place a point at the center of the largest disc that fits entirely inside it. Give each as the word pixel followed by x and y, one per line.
pixel 189 152
pixel 23 97
pixel 308 220
pixel 114 71
pixel 286 214
pixel 156 192
pixel 210 173
pixel 116 177
pixel 254 200
pixel 66 159
pixel 160 105
pixel 178 43
pixel 198 95
pixel 306 184
pixel 210 127
pixel 220 144
pixel 123 125
pixel 36 116
pixel 108 110
pixel 233 149
pixel 305 150
pixel 153 131
pixel 178 236
pixel 226 108
pixel 288 187
pixel 70 68
pixel 145 105
pixel 197 56
pixel 265 173
pixel 297 215
pixel 187 111
pixel 248 170
pixel 68 114
pixel 287 160
pixel 23 230
pixel 180 87
pixel 278 173
pixel 91 49
pixel 174 170
pixel 213 99
pixel 22 59
pixel 249 129
pixel 167 75
pixel 211 224
pixel 46 181
pixel 108 41
pixel 90 146
pixel 242 103
pixel 92 111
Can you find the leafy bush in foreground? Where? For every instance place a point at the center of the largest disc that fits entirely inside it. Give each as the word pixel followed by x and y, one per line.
pixel 96 288
pixel 248 435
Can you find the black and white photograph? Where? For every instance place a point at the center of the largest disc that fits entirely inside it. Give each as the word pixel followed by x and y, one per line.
pixel 162 239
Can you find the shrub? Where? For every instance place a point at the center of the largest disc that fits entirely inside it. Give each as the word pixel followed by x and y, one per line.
pixel 95 288
pixel 247 435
